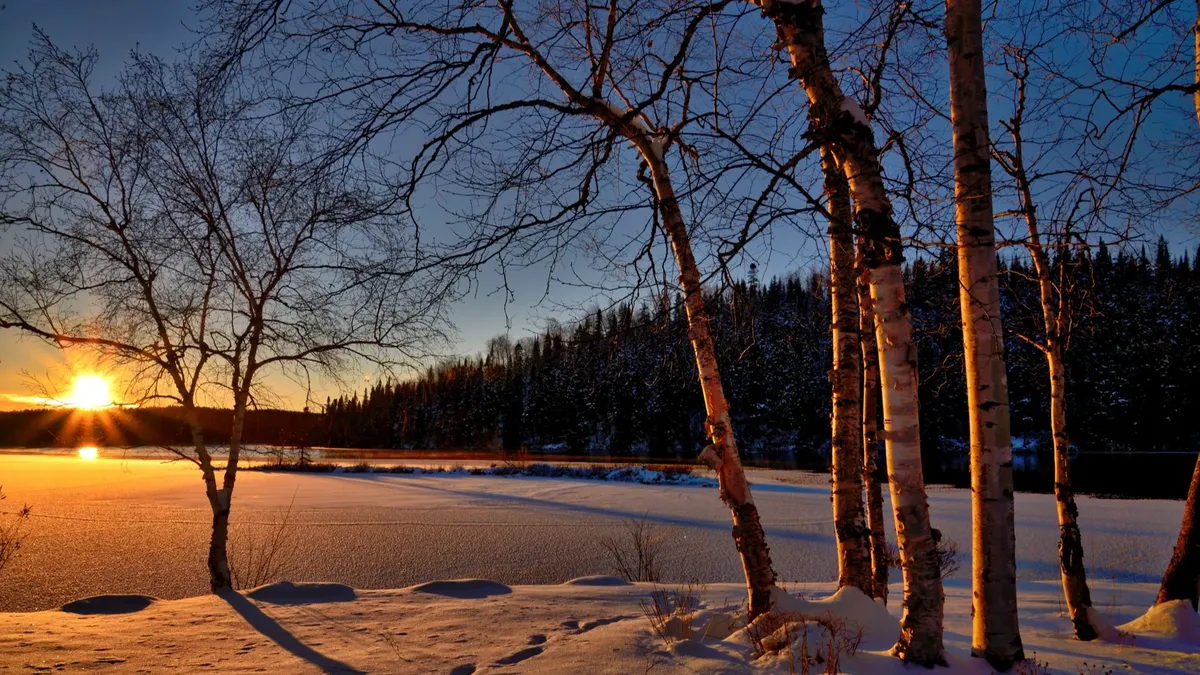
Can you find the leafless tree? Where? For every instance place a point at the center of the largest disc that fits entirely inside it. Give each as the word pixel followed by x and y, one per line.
pixel 842 124
pixel 527 112
pixel 198 247
pixel 849 515
pixel 995 633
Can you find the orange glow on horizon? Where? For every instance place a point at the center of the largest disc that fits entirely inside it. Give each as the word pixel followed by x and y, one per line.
pixel 89 453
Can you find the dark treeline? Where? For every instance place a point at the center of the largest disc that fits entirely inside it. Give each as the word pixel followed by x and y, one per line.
pixel 130 427
pixel 622 382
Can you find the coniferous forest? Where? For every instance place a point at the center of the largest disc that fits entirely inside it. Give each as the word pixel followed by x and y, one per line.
pixel 621 382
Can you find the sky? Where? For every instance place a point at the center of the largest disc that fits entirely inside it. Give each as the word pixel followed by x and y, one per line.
pixel 31 371
pixel 28 369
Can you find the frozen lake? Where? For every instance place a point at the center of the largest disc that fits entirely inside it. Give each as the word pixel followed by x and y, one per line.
pixel 141 526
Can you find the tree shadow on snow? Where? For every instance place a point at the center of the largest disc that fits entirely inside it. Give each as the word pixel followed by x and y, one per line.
pixel 816 537
pixel 271 629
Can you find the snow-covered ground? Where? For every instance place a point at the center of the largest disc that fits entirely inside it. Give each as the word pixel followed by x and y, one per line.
pixel 140 527
pixel 480 626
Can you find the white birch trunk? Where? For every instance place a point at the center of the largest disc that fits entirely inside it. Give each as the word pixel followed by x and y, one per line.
pixel 995 632
pixel 1181 581
pixel 874 472
pixel 849 519
pixel 841 124
pixel 722 455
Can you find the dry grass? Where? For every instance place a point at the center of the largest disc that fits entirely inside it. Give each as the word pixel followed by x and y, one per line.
pixel 949 560
pixel 788 634
pixel 671 611
pixel 256 550
pixel 635 556
pixel 12 531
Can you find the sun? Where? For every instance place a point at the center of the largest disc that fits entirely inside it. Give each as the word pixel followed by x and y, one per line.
pixel 90 452
pixel 89 392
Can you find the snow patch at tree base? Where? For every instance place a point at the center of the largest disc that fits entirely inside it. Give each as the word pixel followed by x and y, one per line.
pixel 1174 620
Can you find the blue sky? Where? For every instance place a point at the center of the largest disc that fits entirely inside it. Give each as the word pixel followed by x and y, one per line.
pixel 114 27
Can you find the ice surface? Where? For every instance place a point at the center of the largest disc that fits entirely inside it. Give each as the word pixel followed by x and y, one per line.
pixel 101 527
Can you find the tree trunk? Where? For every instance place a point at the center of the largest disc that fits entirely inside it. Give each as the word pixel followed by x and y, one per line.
pixel 218 556
pixel 839 123
pixel 1182 578
pixel 722 455
pixel 995 634
pixel 1196 36
pixel 849 520
pixel 1070 541
pixel 218 552
pixel 874 473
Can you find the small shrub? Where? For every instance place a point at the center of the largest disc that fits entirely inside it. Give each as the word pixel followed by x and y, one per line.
pixel 518 459
pixel 948 558
pixel 635 556
pixel 671 612
pixel 255 560
pixel 778 632
pixel 12 531
pixel 361 467
pixel 1031 666
pixel 295 465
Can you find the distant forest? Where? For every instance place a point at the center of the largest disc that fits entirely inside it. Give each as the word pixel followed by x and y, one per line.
pixel 623 382
pixel 131 427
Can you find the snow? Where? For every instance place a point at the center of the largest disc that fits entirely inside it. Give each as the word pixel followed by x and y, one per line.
pixel 434 573
pixel 565 628
pixel 1173 621
pixel 463 588
pixel 656 145
pixel 288 593
pixel 856 111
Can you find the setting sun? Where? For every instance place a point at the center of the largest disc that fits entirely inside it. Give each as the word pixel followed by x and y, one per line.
pixel 89 453
pixel 90 392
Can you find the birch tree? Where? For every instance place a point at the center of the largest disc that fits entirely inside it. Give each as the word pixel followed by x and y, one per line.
pixel 582 81
pixel 874 471
pixel 841 124
pixel 995 634
pixel 849 519
pixel 197 251
pixel 1181 580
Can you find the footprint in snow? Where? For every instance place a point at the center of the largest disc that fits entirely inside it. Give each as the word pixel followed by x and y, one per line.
pixel 520 656
pixel 465 669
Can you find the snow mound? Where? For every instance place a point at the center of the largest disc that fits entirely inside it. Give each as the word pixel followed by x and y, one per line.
pixel 288 593
pixel 598 580
pixel 109 604
pixel 1174 620
pixel 464 589
pixel 849 606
